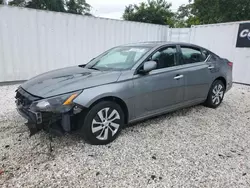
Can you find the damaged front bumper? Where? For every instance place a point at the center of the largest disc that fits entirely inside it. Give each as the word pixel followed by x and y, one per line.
pixel 34 119
pixel 37 121
pixel 55 122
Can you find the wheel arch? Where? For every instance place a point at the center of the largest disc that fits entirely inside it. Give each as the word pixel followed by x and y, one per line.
pixel 117 100
pixel 221 78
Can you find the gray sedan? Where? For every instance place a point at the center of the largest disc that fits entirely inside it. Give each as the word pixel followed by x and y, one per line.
pixel 123 85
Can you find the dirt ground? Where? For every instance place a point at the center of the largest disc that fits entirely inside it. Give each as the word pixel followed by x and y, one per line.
pixel 193 147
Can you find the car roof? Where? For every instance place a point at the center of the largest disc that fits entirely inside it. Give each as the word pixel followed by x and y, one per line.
pixel 153 44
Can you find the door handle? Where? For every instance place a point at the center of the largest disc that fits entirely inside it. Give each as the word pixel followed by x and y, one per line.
pixel 177 77
pixel 210 67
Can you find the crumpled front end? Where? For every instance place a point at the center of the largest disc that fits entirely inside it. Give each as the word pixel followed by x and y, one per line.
pixel 53 114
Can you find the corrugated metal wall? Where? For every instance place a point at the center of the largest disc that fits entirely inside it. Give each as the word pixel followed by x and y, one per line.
pixel 179 34
pixel 221 39
pixel 33 41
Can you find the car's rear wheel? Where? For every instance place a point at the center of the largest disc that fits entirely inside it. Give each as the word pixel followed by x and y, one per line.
pixel 102 123
pixel 216 94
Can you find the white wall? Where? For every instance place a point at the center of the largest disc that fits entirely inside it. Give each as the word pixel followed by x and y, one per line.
pixel 221 39
pixel 33 41
pixel 179 34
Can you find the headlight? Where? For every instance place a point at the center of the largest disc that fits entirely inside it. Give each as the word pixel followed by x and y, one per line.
pixel 61 103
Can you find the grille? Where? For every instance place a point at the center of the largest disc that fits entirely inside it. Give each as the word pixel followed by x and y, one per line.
pixel 24 98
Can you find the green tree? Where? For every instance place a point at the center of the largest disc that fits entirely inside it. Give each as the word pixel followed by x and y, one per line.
pixel 217 11
pixel 154 11
pixel 19 3
pixel 70 6
pixel 77 7
pixel 52 5
pixel 184 16
pixel 1 2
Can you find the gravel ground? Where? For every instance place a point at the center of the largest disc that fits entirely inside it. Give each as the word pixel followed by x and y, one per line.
pixel 193 147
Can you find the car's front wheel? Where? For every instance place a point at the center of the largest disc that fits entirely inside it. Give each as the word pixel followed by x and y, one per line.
pixel 216 94
pixel 102 123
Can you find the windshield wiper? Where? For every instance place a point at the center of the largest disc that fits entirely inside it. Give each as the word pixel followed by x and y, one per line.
pixel 94 68
pixel 82 66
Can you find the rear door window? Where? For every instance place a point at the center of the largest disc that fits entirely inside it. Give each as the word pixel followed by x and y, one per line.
pixel 209 56
pixel 192 55
pixel 205 53
pixel 214 57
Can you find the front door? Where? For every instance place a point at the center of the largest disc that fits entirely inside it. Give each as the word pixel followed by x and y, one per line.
pixel 162 88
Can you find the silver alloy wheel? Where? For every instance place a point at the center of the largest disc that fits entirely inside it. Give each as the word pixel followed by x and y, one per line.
pixel 105 122
pixel 218 93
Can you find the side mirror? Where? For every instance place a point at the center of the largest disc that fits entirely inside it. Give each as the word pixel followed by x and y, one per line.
pixel 148 66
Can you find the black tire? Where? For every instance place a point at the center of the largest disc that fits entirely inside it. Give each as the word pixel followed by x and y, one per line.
pixel 86 121
pixel 211 102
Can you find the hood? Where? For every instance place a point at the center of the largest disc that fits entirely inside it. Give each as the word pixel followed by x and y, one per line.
pixel 67 80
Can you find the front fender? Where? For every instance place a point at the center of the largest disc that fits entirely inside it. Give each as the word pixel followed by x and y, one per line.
pixel 122 90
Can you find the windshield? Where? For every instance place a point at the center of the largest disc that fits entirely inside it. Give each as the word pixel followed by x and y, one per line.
pixel 118 58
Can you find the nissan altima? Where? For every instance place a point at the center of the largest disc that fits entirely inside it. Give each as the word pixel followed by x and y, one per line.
pixel 125 84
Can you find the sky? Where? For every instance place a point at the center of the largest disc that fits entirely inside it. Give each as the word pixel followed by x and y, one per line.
pixel 115 8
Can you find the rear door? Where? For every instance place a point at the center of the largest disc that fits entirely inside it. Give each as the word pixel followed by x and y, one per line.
pixel 198 73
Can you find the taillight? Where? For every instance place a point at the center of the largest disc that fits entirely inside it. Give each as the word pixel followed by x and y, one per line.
pixel 230 64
